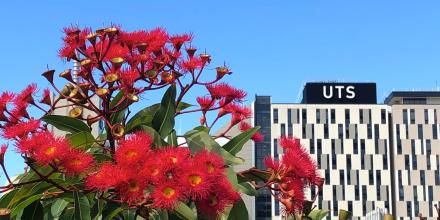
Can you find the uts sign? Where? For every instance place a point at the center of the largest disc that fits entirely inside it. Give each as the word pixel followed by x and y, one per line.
pixel 339 93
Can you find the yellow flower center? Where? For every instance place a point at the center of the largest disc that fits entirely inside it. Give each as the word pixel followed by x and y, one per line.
pixel 173 159
pixel 194 180
pixel 168 192
pixel 49 151
pixel 131 154
pixel 75 162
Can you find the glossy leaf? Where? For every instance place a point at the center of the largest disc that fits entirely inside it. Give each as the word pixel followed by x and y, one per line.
pixel 172 138
pixel 143 117
pixel 184 212
pixel 68 213
pixel 81 139
pixel 58 207
pixel 157 139
pixel 82 206
pixel 163 121
pixel 236 144
pixel 238 211
pixel 33 211
pixel 117 117
pixel 247 189
pixel 22 205
pixel 318 214
pixel 65 123
pixel 198 139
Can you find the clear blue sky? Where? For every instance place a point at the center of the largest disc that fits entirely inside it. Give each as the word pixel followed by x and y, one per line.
pixel 273 48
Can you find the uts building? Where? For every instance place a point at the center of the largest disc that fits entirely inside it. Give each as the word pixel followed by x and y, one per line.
pixel 372 156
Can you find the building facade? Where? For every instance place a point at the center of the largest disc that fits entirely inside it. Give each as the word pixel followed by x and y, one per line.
pixel 372 156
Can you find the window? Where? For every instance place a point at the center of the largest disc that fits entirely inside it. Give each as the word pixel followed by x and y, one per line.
pixel 350 206
pixel 412 116
pixel 318 116
pixel 408 209
pixel 420 131
pixel 364 194
pixel 340 131
pixel 399 146
pixel 422 177
pixel 361 116
pixel 347 116
pixel 335 207
pixel 327 176
pixel 369 131
pixel 348 162
pixel 304 116
pixel 333 116
pixel 371 177
pixel 385 163
pixel 405 116
pixel 400 193
pixel 378 178
pixel 407 162
pixel 334 161
pixel 437 178
pixel 398 131
pixel 341 177
pixel 426 116
pixel 362 147
pixel 312 145
pixel 435 116
pixel 290 130
pixel 289 116
pixel 283 130
pixel 356 192
pixel 428 147
pixel 383 116
pixel 326 131
pixel 319 149
pixel 434 131
pixel 275 148
pixel 412 101
pixel 304 131
pixel 414 162
pixel 355 146
pixel 275 116
pixel 333 144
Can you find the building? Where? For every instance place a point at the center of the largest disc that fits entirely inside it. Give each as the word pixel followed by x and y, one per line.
pixel 377 214
pixel 373 156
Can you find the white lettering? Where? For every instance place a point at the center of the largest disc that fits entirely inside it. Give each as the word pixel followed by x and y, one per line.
pixel 339 88
pixel 324 90
pixel 350 92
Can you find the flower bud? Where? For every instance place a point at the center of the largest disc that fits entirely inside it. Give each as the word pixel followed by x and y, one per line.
pixel 67 74
pixel 111 77
pixel 206 58
pixel 202 120
pixel 49 75
pixel 191 51
pixel 75 112
pixel 167 77
pixel 142 47
pixel 118 131
pixel 117 62
pixel 101 92
pixel 132 97
pixel 111 31
pixel 92 38
pixel 221 71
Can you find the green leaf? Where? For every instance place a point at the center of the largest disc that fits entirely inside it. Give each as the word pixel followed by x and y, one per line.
pixel 117 117
pixel 198 139
pixel 58 207
pixel 68 213
pixel 65 123
pixel 82 139
pixel 157 139
pixel 184 212
pixel 129 214
pixel 236 144
pixel 172 138
pixel 7 197
pixel 33 211
pixel 253 176
pixel 238 211
pixel 183 106
pixel 230 159
pixel 318 214
pixel 22 205
pixel 82 206
pixel 247 189
pixel 97 209
pixel 113 212
pixel 27 190
pixel 143 117
pixel 163 120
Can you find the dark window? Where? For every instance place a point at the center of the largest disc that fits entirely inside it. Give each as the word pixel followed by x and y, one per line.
pixel 356 192
pixel 383 116
pixel 430 194
pixel 369 131
pixel 326 131
pixel 405 116
pixel 412 116
pixel 408 209
pixel 398 131
pixel 400 193
pixel 434 131
pixel 371 177
pixel 318 116
pixel 437 178
pixel 362 147
pixel 319 149
pixel 290 130
pixel 275 148
pixel 428 147
pixel 334 161
pixel 312 145
pixel 399 146
pixel 350 206
pixel 385 162
pixel 361 116
pixel 275 116
pixel 289 116
pixel 333 116
pixel 435 116
pixel 333 145
pixel 378 178
pixel 407 162
pixel 426 116
pixel 347 116
pixel 340 131
pixel 277 207
pixel 414 162
pixel 376 138
pixel 303 131
pixel 304 116
pixel 335 207
pixel 355 146
pixel 348 162
pixel 420 131
pixel 412 101
pixel 341 177
pixel 283 129
pixel 422 177
pixel 327 176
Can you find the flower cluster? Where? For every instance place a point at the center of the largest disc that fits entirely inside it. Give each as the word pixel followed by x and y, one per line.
pixel 162 177
pixel 292 174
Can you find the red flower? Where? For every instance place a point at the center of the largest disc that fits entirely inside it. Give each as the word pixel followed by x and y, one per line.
pixel 171 157
pixel 151 169
pixel 131 186
pixel 77 162
pixel 179 40
pixel 239 112
pixel 205 102
pixel 292 195
pixel 271 164
pixel 21 129
pixel 132 151
pixel 26 94
pixel 19 111
pixel 166 195
pixel 290 143
pixel 257 137
pixel 196 181
pixel 157 39
pixel 46 99
pixel 30 144
pixel 106 177
pixel 223 90
pixel 222 195
pixel 54 149
pixel 210 163
pixel 6 98
pixel 128 76
pixel 191 64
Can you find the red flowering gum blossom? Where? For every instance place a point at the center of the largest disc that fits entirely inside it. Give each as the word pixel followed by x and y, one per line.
pixel 172 157
pixel 3 149
pixel 21 129
pixel 131 186
pixel 166 195
pixel 205 102
pixel 226 92
pixel 210 163
pixel 221 196
pixel 257 137
pixel 292 196
pixel 77 162
pixel 290 143
pixel 54 149
pixel 196 181
pixel 298 162
pixel 133 150
pixel 106 177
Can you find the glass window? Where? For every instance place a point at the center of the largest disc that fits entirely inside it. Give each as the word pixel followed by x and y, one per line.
pixel 333 116
pixel 361 116
pixel 318 116
pixel 414 162
pixel 341 177
pixel 340 131
pixel 369 131
pixel 426 116
pixel 407 162
pixel 422 177
pixel 275 116
pixel 385 162
pixel 383 116
pixel 326 131
pixel 289 116
pixel 312 145
pixel 355 146
pixel 356 192
pixel 405 116
pixel 408 209
pixel 304 116
pixel 434 131
pixel 437 178
pixel 347 116
pixel 290 130
pixel 412 116
pixel 283 129
pixel 420 131
pixel 371 177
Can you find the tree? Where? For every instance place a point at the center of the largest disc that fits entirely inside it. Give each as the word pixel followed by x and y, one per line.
pixel 136 168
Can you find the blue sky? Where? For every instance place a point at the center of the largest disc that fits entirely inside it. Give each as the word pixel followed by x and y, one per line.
pixel 272 47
